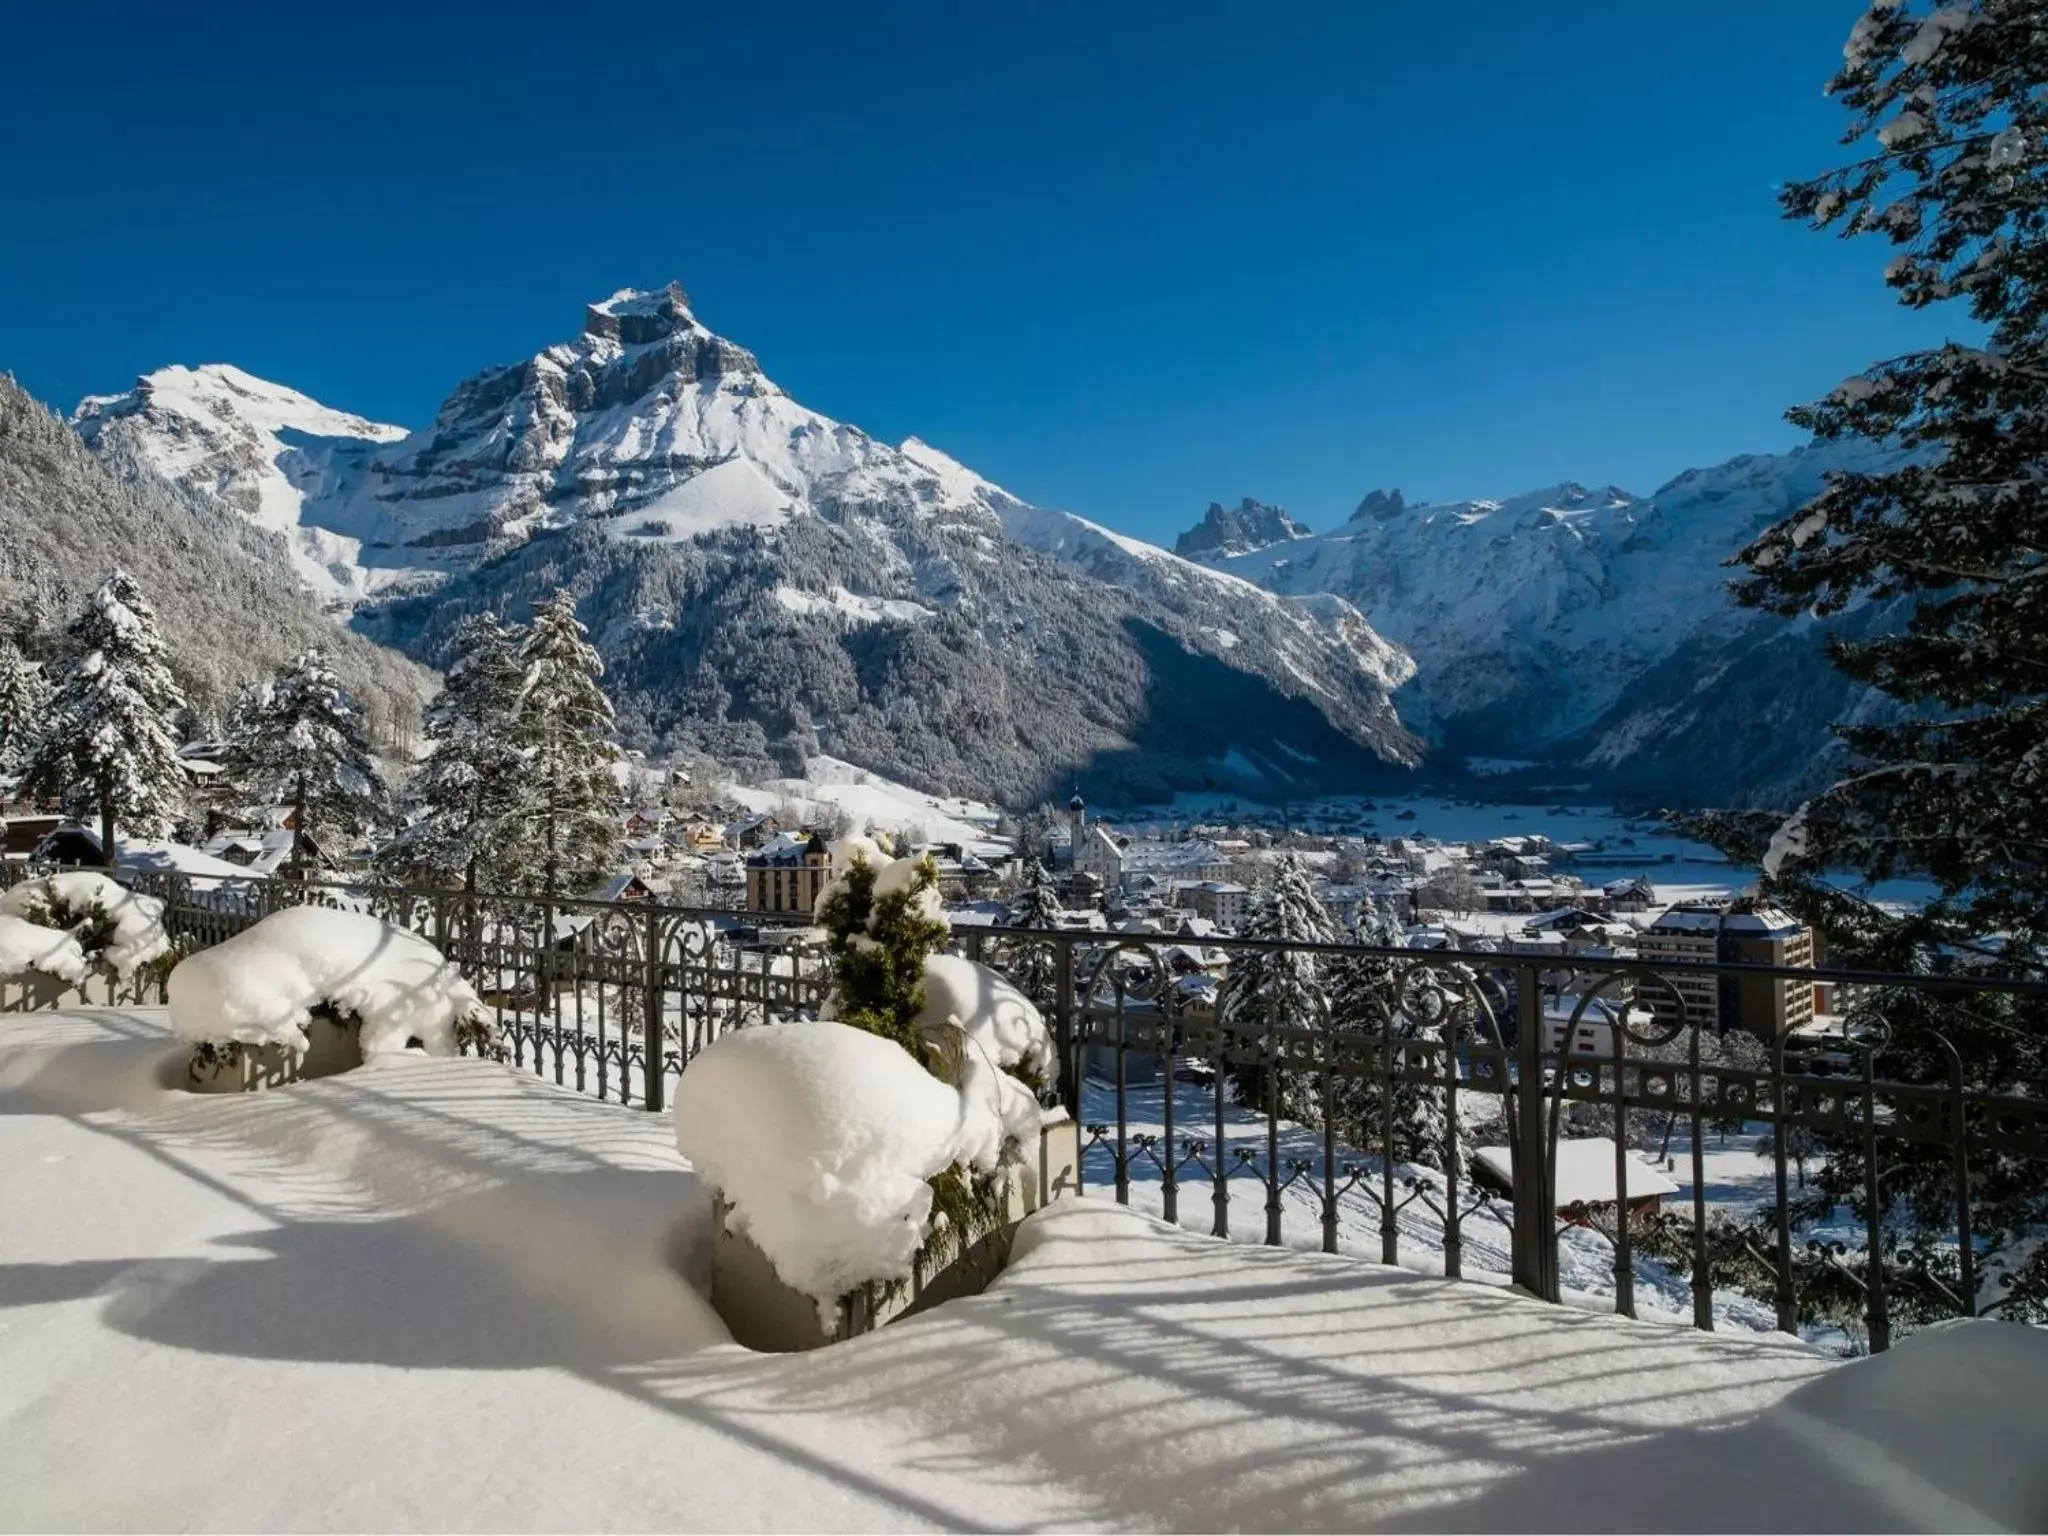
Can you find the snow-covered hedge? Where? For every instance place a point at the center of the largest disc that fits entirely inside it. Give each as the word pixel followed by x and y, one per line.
pixel 822 1139
pixel 262 986
pixel 117 928
pixel 28 949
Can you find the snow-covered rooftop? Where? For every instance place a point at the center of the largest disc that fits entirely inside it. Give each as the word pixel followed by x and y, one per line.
pixel 441 1293
pixel 1585 1170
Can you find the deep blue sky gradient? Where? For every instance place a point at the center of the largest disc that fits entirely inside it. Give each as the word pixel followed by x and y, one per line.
pixel 1123 258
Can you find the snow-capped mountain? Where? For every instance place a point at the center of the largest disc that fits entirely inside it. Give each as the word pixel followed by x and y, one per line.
pixel 263 449
pixel 1587 628
pixel 228 593
pixel 766 582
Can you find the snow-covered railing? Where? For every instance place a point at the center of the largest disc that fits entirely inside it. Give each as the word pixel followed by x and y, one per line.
pixel 1314 1093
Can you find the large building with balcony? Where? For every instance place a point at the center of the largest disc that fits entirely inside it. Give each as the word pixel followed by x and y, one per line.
pixel 785 876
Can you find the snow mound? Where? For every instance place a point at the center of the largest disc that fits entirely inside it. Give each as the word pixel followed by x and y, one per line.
pixel 996 1017
pixel 261 986
pixel 27 948
pixel 77 899
pixel 822 1139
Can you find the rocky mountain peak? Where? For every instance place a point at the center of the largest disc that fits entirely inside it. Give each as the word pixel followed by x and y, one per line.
pixel 1238 530
pixel 1380 505
pixel 634 317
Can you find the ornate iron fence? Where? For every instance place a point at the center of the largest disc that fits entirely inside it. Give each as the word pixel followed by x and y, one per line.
pixel 614 999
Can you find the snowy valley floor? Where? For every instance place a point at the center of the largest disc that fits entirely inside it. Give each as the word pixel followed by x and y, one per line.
pixel 443 1294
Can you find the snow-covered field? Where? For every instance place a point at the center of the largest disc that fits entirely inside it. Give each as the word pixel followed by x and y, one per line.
pixel 830 785
pixel 440 1294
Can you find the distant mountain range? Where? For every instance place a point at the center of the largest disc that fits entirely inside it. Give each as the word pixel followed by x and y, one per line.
pixel 1587 633
pixel 766 583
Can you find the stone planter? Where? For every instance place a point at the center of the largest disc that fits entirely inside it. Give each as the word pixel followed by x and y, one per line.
pixel 766 1314
pixel 332 1047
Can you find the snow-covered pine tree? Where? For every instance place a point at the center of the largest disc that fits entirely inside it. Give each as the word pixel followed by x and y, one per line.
pixel 1034 963
pixel 465 799
pixel 24 695
pixel 569 827
pixel 303 745
pixel 1954 99
pixel 1281 989
pixel 1380 999
pixel 106 746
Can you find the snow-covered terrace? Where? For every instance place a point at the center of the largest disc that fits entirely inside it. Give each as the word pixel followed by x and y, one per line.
pixel 445 1294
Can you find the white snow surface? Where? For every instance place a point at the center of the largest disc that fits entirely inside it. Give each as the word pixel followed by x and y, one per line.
pixel 389 1259
pixel 829 785
pixel 998 1019
pixel 821 1138
pixel 138 935
pixel 260 986
pixel 28 948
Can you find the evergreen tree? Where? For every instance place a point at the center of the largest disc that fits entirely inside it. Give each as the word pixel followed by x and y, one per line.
pixel 1282 989
pixel 568 827
pixel 878 942
pixel 1955 100
pixel 466 797
pixel 1390 1005
pixel 106 746
pixel 1035 964
pixel 24 694
pixel 303 745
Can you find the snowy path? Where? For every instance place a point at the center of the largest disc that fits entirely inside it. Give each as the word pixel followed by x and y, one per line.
pixel 440 1294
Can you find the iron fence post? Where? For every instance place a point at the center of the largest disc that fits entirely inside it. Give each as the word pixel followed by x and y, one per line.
pixel 653 1020
pixel 1063 1027
pixel 1535 1240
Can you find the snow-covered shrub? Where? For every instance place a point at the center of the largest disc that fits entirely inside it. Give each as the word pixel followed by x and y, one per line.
pixel 28 948
pixel 262 986
pixel 852 1148
pixel 117 928
pixel 827 1141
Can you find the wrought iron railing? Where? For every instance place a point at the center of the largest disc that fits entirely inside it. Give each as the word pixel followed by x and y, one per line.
pixel 1319 1112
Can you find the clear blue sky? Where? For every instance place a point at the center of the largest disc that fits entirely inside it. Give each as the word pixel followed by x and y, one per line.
pixel 1124 258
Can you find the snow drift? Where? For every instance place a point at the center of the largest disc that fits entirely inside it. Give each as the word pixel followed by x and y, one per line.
pixel 261 986
pixel 30 949
pixel 821 1138
pixel 116 927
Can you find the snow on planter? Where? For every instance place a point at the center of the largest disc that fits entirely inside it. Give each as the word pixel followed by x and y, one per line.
pixel 116 927
pixel 821 1138
pixel 261 986
pixel 31 949
pixel 997 1017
